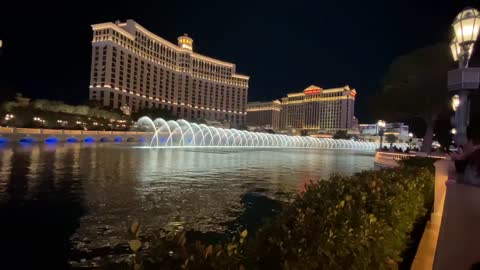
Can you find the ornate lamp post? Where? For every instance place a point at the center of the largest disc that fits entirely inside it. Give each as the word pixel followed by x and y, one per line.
pixel 464 79
pixel 381 130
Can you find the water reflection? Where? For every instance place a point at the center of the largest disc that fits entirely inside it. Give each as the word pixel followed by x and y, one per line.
pixel 40 208
pixel 88 193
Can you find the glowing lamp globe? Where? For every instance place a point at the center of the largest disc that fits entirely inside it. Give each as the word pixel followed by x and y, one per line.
pixel 466 26
pixel 455 102
pixel 381 123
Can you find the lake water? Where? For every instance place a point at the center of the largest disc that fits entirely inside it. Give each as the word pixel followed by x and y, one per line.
pixel 67 201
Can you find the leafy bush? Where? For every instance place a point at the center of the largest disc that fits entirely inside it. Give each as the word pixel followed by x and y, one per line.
pixel 341 134
pixel 357 222
pixel 391 138
pixel 362 221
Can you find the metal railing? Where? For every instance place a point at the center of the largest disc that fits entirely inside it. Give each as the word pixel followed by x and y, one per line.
pixel 390 159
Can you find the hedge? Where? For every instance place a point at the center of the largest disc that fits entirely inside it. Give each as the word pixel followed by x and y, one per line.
pixel 362 221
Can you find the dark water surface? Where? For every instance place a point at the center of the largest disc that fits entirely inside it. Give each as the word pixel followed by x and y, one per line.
pixel 61 202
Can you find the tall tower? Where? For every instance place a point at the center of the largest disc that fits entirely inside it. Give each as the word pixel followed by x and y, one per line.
pixel 162 75
pixel 185 42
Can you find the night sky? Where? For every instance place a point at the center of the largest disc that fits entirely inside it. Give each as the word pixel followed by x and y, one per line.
pixel 284 46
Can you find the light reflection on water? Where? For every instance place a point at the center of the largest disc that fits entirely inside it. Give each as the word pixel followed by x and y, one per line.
pixel 97 189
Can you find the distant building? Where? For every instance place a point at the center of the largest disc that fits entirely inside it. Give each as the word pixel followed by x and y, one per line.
pixel 355 123
pixel 318 109
pixel 314 110
pixel 400 130
pixel 264 114
pixel 133 67
pixel 368 129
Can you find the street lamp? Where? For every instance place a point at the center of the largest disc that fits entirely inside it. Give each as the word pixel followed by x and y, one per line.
pixel 381 126
pixel 465 27
pixel 8 117
pixel 455 102
pixel 464 79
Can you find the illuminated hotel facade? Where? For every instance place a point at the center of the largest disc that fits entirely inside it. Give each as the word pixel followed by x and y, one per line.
pixel 136 68
pixel 264 114
pixel 315 109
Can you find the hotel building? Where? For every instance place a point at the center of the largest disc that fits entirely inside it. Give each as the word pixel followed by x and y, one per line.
pixel 314 109
pixel 133 67
pixel 320 109
pixel 264 114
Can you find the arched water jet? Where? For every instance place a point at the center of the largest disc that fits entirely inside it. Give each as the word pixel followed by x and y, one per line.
pixel 181 133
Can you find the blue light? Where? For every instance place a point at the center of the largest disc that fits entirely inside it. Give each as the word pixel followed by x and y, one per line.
pixel 104 139
pixel 142 139
pixel 89 140
pixel 27 140
pixel 3 140
pixel 72 140
pixel 51 140
pixel 163 140
pixel 118 139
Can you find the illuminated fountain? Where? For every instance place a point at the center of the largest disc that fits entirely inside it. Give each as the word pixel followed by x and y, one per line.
pixel 181 133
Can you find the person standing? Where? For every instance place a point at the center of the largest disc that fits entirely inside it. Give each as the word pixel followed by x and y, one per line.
pixel 467 159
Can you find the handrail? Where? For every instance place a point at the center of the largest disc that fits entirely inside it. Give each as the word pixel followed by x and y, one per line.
pixel 390 159
pixel 52 131
pixel 72 132
pixel 12 130
pixel 7 130
pixel 27 131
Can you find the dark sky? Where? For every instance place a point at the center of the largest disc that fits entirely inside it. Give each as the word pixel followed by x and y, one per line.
pixel 284 46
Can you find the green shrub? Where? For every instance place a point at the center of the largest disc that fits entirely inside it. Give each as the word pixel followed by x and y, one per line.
pixel 357 222
pixel 362 221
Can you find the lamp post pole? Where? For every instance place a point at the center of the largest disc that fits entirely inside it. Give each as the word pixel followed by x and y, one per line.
pixel 380 132
pixel 462 117
pixel 463 80
pixel 381 125
pixel 410 139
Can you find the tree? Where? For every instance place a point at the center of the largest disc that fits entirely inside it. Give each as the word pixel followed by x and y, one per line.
pixel 390 138
pixel 8 94
pixel 341 134
pixel 415 85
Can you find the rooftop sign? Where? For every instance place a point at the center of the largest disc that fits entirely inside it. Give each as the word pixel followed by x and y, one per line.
pixel 312 91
